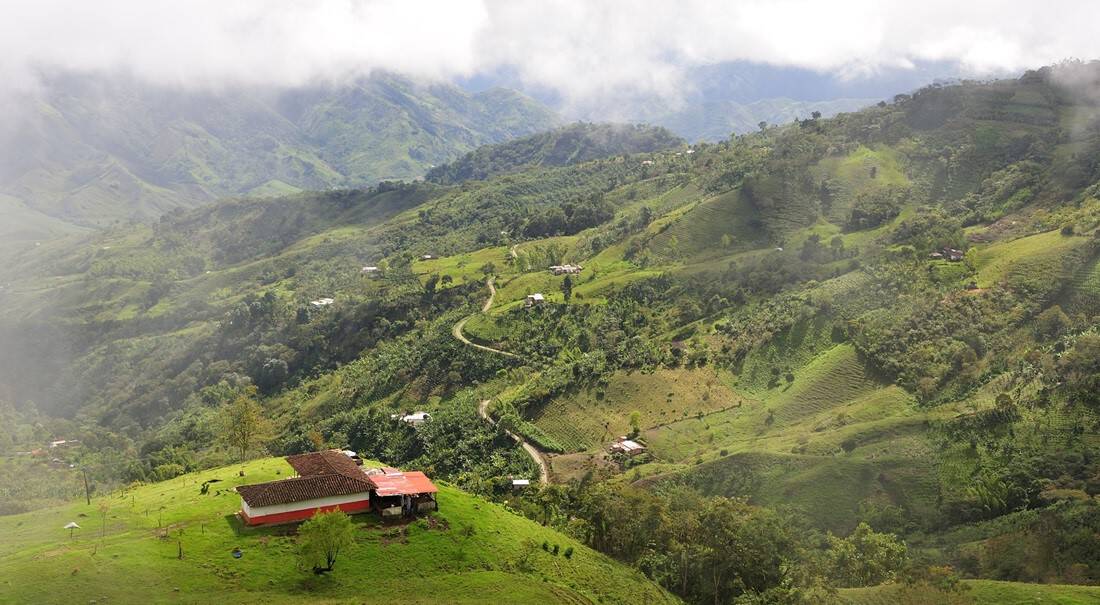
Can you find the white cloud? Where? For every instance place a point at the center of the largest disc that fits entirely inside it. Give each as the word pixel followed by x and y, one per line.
pixel 586 50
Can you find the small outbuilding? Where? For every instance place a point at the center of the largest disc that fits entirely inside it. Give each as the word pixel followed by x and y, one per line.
pixel 566 269
pixel 416 418
pixel 626 446
pixel 534 300
pixel 401 494
pixel 371 271
pixel 321 302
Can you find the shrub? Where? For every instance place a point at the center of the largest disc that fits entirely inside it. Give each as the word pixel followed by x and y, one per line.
pixel 568 552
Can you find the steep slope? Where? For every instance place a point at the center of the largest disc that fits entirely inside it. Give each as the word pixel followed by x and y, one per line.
pixel 129 548
pixel 573 144
pixel 96 151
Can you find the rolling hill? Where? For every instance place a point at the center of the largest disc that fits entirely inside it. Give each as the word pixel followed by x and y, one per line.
pixel 98 151
pixel 128 550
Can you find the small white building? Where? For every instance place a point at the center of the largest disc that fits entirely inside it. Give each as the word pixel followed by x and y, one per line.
pixel 371 271
pixel 521 483
pixel 566 269
pixel 416 418
pixel 626 446
pixel 427 257
pixel 321 302
pixel 533 300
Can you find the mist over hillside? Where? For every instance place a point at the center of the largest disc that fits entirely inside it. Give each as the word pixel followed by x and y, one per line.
pixel 95 151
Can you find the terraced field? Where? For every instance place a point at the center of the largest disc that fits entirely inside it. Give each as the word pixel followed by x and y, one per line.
pixel 832 390
pixel 863 170
pixel 976 592
pixel 592 417
pixel 1017 261
pixel 699 231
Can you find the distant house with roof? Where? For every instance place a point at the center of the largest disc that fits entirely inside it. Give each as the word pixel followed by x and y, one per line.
pixel 534 300
pixel 950 254
pixel 416 418
pixel 321 302
pixel 626 446
pixel 565 269
pixel 333 480
pixel 371 271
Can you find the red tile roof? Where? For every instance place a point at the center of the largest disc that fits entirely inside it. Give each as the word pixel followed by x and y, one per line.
pixel 401 484
pixel 299 489
pixel 328 462
pixel 322 474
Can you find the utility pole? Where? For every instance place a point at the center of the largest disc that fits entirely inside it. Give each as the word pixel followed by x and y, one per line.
pixel 87 493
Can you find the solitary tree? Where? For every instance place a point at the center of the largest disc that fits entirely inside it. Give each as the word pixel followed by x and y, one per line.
pixel 321 538
pixel 243 422
pixel 567 288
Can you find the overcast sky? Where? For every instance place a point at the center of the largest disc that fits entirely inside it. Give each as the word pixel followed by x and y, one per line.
pixel 583 50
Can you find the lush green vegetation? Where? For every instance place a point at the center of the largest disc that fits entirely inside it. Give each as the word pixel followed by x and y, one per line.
pixel 573 144
pixel 818 387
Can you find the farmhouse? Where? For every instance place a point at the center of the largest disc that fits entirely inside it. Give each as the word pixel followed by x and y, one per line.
pixel 326 481
pixel 950 254
pixel 396 493
pixel 371 271
pixel 533 300
pixel 626 446
pixel 332 480
pixel 565 269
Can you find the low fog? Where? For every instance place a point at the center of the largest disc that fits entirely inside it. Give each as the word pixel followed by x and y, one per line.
pixel 588 54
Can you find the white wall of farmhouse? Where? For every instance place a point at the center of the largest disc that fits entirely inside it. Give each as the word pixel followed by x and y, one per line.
pixel 275 509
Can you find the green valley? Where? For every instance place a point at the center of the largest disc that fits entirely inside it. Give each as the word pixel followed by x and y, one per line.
pixel 843 360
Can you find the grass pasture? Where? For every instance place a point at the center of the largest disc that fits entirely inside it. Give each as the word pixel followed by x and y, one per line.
pixel 135 560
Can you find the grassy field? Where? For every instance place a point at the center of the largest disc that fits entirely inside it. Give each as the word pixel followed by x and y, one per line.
pixel 135 559
pixel 978 592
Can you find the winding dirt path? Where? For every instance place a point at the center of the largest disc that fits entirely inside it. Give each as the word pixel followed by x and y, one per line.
pixel 532 451
pixel 457 329
pixel 483 406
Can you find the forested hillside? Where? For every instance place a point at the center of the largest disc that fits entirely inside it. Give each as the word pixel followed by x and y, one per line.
pixel 573 144
pixel 860 353
pixel 96 151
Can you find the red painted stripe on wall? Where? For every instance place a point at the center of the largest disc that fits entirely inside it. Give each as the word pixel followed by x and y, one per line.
pixel 305 513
